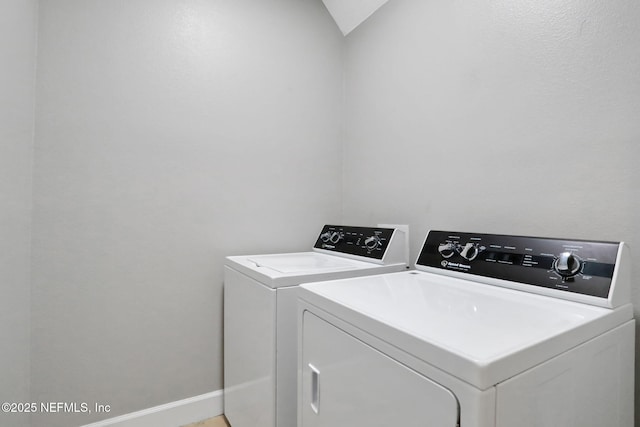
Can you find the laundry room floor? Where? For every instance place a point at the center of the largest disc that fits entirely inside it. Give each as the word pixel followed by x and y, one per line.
pixel 220 421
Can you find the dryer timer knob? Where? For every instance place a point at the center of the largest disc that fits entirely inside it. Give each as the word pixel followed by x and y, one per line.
pixel 567 264
pixel 447 249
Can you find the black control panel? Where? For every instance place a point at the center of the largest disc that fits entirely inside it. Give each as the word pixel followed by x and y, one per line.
pixel 578 266
pixel 370 242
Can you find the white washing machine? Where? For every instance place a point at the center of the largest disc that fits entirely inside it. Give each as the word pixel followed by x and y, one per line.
pixel 490 331
pixel 260 331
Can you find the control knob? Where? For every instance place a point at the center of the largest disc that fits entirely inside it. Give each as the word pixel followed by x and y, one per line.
pixel 372 242
pixel 325 237
pixel 471 251
pixel 567 265
pixel 336 237
pixel 447 249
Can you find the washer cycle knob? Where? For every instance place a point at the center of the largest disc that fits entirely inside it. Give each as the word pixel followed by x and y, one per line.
pixel 372 242
pixel 567 264
pixel 325 237
pixel 336 237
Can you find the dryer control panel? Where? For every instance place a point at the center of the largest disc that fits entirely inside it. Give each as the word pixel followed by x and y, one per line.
pixel 368 242
pixel 575 266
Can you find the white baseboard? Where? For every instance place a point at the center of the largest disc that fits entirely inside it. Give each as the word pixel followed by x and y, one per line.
pixel 173 414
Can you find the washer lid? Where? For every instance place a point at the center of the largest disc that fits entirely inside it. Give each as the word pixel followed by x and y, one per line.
pixel 478 333
pixel 304 262
pixel 281 270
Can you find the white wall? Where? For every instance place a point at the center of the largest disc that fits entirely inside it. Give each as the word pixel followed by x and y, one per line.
pixel 17 84
pixel 512 117
pixel 169 135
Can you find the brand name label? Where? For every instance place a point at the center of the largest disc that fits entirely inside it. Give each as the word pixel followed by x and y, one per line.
pixel 447 264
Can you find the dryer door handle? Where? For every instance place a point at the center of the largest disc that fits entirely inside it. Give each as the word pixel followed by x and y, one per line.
pixel 315 389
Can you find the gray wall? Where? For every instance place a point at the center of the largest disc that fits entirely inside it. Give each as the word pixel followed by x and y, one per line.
pixel 512 117
pixel 169 135
pixel 17 74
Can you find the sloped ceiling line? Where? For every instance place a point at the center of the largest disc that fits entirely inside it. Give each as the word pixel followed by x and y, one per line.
pixel 348 14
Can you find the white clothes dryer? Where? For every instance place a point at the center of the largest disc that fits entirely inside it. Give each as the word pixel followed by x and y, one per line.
pixel 260 331
pixel 490 331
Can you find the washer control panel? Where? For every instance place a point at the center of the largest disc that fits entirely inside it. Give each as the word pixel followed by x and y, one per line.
pixel 578 266
pixel 369 242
